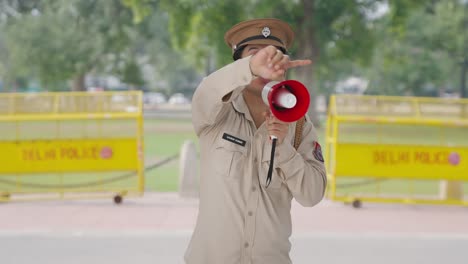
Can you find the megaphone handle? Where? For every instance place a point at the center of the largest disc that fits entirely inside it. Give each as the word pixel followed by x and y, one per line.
pixel 272 158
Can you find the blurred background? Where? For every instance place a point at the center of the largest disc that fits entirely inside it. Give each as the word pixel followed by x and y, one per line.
pixel 377 47
pixel 123 72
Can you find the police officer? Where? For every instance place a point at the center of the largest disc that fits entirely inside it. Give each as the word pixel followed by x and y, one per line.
pixel 240 219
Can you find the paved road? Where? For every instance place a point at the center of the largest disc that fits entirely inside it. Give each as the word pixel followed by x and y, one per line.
pixel 156 229
pixel 168 248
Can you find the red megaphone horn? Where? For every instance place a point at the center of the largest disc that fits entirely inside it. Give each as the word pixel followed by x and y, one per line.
pixel 288 100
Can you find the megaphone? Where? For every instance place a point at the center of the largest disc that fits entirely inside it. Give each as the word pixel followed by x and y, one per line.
pixel 288 100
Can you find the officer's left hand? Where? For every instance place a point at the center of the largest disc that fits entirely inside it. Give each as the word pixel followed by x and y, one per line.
pixel 276 127
pixel 271 64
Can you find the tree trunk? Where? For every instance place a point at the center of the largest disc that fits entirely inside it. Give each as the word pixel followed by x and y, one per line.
pixel 14 86
pixel 79 83
pixel 308 49
pixel 463 78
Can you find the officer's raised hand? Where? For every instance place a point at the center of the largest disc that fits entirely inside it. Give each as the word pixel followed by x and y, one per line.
pixel 270 63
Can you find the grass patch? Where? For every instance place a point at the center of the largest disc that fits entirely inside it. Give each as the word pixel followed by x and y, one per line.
pixel 163 179
pixel 383 188
pixel 164 138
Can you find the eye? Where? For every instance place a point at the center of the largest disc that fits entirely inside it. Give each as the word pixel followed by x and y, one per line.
pixel 252 50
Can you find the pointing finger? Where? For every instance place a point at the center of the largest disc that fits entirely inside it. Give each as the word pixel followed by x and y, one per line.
pixel 298 63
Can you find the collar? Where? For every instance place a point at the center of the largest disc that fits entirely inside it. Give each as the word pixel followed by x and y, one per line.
pixel 240 106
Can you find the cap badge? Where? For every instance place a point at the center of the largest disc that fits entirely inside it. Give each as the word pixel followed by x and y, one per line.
pixel 266 32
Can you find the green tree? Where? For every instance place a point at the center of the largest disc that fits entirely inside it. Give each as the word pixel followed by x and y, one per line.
pixel 132 75
pixel 421 56
pixel 140 8
pixel 62 40
pixel 328 32
pixel 170 70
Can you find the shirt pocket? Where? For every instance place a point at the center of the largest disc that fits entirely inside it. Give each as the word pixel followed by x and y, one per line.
pixel 232 159
pixel 276 180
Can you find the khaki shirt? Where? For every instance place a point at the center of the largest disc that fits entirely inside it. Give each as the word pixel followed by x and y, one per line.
pixel 239 220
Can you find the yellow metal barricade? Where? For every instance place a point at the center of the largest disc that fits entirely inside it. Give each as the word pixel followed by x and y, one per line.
pixel 71 145
pixel 397 149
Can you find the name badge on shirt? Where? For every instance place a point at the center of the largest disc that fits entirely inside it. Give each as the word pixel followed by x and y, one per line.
pixel 234 139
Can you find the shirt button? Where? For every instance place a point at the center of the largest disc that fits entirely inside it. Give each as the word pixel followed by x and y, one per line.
pixel 255 160
pixel 250 213
pixel 254 189
pixel 246 245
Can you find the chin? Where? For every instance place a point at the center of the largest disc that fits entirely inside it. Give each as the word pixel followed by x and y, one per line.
pixel 263 81
pixel 259 82
pixel 256 86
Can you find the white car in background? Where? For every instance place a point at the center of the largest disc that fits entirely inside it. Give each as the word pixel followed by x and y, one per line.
pixel 178 99
pixel 154 98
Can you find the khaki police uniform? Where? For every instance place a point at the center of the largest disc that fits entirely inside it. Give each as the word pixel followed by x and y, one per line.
pixel 240 221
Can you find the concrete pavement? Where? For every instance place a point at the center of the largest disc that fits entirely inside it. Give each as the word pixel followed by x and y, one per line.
pixel 167 212
pixel 168 248
pixel 156 229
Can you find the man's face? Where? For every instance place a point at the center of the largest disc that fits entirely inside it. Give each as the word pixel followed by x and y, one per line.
pixel 252 49
pixel 257 84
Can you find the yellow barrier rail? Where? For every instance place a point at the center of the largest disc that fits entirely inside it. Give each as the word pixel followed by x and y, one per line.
pixel 71 145
pixel 397 149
